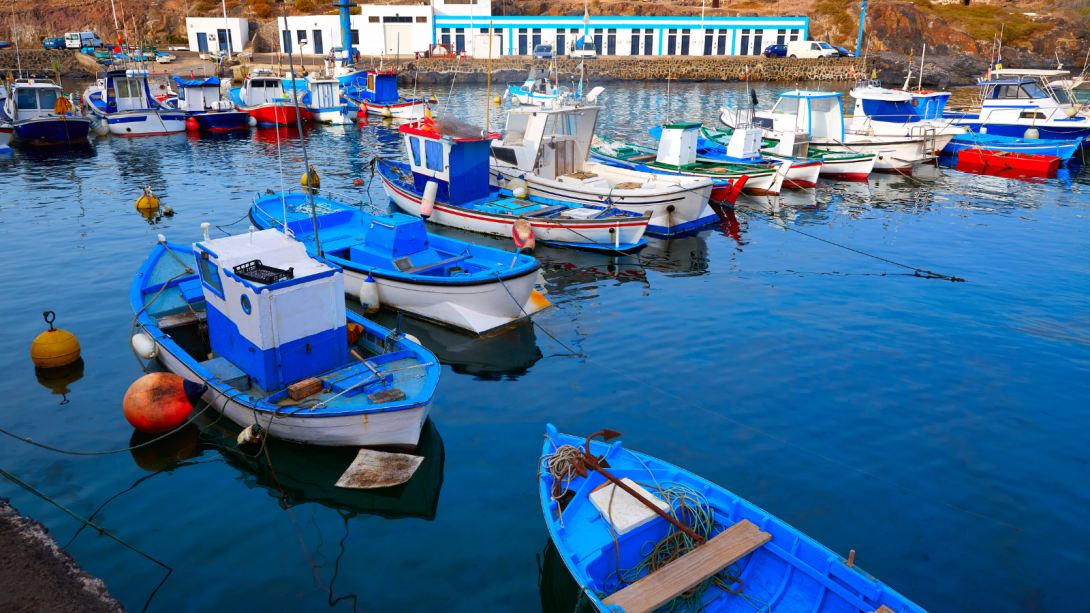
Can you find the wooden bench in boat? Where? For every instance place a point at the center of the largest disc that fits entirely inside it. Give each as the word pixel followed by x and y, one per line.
pixel 679 576
pixel 412 270
pixel 647 157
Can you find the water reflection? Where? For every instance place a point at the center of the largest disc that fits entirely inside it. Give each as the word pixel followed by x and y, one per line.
pixel 57 380
pixel 559 590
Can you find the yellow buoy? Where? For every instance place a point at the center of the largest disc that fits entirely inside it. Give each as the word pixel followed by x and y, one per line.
pixel 315 180
pixel 147 202
pixel 53 347
pixel 496 100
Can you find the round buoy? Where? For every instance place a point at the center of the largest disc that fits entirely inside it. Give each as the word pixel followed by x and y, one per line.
pixel 147 202
pixel 517 187
pixel 252 121
pixel 496 100
pixel 1032 133
pixel 369 295
pixel 54 347
pixel 160 401
pixel 427 203
pixel 358 182
pixel 144 346
pixel 523 235
pixel 315 181
pixel 100 128
pixel 386 112
pixel 191 124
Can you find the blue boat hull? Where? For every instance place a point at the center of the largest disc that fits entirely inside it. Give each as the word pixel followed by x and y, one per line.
pixel 1048 132
pixel 222 122
pixel 53 131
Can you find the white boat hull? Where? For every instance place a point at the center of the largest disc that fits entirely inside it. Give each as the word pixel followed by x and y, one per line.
pixel 894 155
pixel 335 116
pixel 381 429
pixel 145 123
pixel 5 136
pixel 413 110
pixel 591 233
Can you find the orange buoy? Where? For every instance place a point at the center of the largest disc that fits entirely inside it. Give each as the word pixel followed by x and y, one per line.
pixel 523 235
pixel 54 347
pixel 160 401
pixel 358 182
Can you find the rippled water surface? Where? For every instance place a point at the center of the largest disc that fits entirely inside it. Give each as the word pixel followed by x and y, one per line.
pixel 939 429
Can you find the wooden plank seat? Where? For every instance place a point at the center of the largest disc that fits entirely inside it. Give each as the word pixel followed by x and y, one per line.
pixel 426 267
pixel 647 157
pixel 679 576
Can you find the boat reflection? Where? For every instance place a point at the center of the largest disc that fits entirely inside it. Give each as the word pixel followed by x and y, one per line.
pixel 568 271
pixel 301 474
pixel 559 590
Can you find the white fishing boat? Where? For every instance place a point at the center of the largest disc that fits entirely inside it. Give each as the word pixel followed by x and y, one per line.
pixel 6 130
pixel 881 111
pixel 123 100
pixel 322 101
pixel 541 88
pixel 545 153
pixel 820 117
pixel 263 325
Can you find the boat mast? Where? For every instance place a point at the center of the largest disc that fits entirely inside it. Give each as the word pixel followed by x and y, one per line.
pixel 302 143
pixel 488 94
pixel 227 28
pixel 923 56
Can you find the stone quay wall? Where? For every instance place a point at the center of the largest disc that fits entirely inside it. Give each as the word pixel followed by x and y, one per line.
pixel 443 70
pixel 38 63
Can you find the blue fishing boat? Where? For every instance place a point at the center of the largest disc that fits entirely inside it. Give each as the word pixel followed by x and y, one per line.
pixel 122 99
pixel 454 161
pixel 39 113
pixel 1063 149
pixel 263 325
pixel 1022 107
pixel 200 99
pixel 379 96
pixel 451 282
pixel 685 543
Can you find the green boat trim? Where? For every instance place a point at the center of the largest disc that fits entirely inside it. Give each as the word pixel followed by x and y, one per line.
pixel 813 153
pixel 638 154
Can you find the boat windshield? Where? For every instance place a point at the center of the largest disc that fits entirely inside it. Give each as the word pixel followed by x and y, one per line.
pixel 786 106
pixel 1060 94
pixel 26 100
pixel 516 129
pixel 47 98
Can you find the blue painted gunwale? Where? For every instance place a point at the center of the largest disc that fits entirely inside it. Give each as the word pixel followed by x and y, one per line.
pixel 586 546
pixel 337 408
pixel 350 229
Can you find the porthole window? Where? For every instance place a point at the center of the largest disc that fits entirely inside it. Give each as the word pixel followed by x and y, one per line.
pixel 246 304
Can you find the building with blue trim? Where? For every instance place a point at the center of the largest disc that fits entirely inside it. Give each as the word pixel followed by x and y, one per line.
pixel 464 24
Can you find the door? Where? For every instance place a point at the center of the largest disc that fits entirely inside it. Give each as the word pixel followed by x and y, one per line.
pixel 537 40
pixel 611 44
pixel 399 38
pixel 757 49
pixel 780 39
pixel 707 44
pixel 648 44
pixel 287 41
pixel 597 44
pixel 684 44
pixel 671 40
pixel 522 44
pixel 318 50
pixel 722 48
pixel 221 38
pixel 560 44
pixel 445 39
pixel 459 43
pixel 202 42
pixel 635 49
pixel 743 48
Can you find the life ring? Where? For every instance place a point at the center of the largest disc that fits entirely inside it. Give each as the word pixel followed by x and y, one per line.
pixel 915 101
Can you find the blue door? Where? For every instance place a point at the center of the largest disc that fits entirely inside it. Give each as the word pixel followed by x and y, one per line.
pixel 222 36
pixel 648 43
pixel 522 44
pixel 318 49
pixel 202 42
pixel 560 44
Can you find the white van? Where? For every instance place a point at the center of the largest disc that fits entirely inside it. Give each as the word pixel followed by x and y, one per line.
pixel 583 49
pixel 810 49
pixel 79 40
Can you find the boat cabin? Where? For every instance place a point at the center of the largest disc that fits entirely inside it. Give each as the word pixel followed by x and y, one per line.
pixel 818 113
pixel 381 87
pixel 274 311
pixel 323 93
pixel 549 142
pixel 897 106
pixel 127 90
pixel 31 99
pixel 200 95
pixel 262 87
pixel 540 83
pixel 459 165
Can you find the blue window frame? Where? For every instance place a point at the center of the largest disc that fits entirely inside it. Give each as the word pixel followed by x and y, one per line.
pixel 414 144
pixel 210 275
pixel 433 152
pixel 246 304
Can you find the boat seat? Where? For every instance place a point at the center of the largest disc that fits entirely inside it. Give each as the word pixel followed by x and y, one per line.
pixel 546 211
pixel 679 576
pixel 426 267
pixel 191 290
pixel 649 157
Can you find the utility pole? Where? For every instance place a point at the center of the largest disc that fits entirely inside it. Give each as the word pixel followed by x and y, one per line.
pixel 862 19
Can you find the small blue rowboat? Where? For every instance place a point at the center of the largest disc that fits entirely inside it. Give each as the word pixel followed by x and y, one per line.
pixel 440 279
pixel 1063 149
pixel 725 554
pixel 251 316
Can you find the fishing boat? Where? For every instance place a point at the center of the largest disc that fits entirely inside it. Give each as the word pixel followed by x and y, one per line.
pixel 545 153
pixel 261 323
pixel 456 166
pixel 378 96
pixel 818 118
pixel 1063 149
pixel 1005 160
pixel 39 113
pixel 200 100
pixel 163 57
pixel 541 88
pixel 123 99
pixel 450 282
pixel 1019 103
pixel 322 101
pixel 838 166
pixel 638 533
pixel 262 95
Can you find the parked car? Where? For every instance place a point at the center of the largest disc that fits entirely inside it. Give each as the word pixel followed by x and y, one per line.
pixel 544 52
pixel 53 43
pixel 810 49
pixel 776 50
pixel 843 52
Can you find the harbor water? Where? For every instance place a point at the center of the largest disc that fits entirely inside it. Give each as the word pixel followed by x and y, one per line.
pixel 798 360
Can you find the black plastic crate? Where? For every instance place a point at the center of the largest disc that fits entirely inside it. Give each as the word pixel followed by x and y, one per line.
pixel 257 272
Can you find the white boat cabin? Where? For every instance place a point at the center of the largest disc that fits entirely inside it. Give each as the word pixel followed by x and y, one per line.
pixel 274 311
pixel 200 95
pixel 127 90
pixel 1009 101
pixel 262 87
pixel 324 93
pixel 459 165
pixel 548 142
pixel 32 99
pixel 817 113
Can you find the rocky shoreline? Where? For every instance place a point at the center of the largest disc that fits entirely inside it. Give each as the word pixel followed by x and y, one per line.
pixel 36 574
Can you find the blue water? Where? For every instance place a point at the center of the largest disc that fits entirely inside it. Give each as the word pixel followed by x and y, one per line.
pixel 934 427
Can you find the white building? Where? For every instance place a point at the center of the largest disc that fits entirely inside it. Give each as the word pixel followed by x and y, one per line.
pixel 380 30
pixel 213 33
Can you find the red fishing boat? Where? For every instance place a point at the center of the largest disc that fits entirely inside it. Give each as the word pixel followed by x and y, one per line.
pixel 262 96
pixel 1009 161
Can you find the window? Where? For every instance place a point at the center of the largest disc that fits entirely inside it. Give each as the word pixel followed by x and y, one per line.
pixel 786 106
pixel 433 155
pixel 516 129
pixel 414 145
pixel 26 99
pixel 821 105
pixel 1033 91
pixel 372 19
pixel 301 36
pixel 574 31
pixel 421 19
pixel 397 19
pixel 743 31
pixel 537 30
pixel 355 37
pixel 47 98
pixel 611 31
pixel 484 30
pixel 522 30
pixel 722 31
pixel 459 30
pixel 210 275
pixel 636 31
pixel 445 30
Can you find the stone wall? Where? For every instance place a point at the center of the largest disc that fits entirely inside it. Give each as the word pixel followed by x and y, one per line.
pixel 39 63
pixel 442 70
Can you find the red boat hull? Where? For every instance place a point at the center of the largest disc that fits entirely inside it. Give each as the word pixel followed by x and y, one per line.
pixel 273 114
pixel 1006 160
